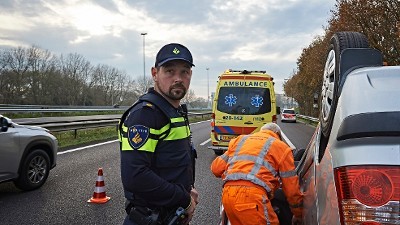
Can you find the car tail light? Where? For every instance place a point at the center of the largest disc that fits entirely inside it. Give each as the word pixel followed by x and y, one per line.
pixel 368 195
pixel 212 121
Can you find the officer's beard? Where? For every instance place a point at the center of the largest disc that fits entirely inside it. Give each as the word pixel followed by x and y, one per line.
pixel 176 92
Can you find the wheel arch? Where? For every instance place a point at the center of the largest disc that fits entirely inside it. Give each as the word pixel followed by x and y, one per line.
pixel 45 145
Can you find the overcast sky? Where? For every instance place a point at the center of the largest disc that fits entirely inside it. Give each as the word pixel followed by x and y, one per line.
pixel 221 34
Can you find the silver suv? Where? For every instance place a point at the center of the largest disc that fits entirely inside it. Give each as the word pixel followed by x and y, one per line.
pixel 27 154
pixel 350 171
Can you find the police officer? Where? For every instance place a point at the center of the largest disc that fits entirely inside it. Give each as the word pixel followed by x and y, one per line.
pixel 157 156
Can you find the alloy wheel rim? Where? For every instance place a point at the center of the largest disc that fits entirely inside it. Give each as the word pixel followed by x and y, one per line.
pixel 37 169
pixel 328 85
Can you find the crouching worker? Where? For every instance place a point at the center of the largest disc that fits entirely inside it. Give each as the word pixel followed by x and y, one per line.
pixel 252 169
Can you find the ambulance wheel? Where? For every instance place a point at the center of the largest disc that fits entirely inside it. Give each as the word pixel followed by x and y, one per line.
pixel 331 75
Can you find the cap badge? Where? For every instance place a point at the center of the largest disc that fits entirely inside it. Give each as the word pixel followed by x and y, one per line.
pixel 176 51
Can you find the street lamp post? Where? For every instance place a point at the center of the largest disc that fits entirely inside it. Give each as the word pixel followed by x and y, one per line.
pixel 144 62
pixel 287 94
pixel 208 87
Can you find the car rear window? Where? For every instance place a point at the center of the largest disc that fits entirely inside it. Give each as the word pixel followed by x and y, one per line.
pixel 289 111
pixel 244 101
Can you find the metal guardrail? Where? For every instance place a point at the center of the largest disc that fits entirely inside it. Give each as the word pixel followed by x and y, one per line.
pixel 51 110
pixel 80 122
pixel 312 119
pixel 57 127
pixel 85 122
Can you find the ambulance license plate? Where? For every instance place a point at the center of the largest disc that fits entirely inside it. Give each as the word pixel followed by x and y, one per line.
pixel 226 137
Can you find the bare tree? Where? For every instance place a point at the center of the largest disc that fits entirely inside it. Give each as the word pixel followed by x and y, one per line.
pixel 75 70
pixel 15 65
pixel 41 66
pixel 189 97
pixel 144 83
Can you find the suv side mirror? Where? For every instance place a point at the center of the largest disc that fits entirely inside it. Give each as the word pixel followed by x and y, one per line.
pixel 4 124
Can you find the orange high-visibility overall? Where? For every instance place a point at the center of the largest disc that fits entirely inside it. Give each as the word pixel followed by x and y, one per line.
pixel 252 169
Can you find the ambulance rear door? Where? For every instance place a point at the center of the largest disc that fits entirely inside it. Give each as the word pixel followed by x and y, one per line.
pixel 247 103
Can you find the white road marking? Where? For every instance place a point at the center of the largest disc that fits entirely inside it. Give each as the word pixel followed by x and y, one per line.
pixel 85 147
pixel 291 145
pixel 206 141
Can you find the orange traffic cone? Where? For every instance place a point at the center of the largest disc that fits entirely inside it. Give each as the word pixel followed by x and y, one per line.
pixel 99 194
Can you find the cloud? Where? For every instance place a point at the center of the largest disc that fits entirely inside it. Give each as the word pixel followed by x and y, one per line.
pixel 222 34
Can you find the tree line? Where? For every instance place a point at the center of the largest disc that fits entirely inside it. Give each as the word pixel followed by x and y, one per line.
pixel 378 20
pixel 35 76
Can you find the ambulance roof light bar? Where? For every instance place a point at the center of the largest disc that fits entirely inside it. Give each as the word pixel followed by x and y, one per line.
pixel 245 71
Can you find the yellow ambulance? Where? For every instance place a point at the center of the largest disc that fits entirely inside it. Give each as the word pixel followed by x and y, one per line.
pixel 244 101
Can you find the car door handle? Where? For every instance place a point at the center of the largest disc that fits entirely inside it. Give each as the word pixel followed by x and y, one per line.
pixel 248 122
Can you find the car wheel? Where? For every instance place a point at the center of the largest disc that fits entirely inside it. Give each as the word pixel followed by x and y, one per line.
pixel 33 171
pixel 331 76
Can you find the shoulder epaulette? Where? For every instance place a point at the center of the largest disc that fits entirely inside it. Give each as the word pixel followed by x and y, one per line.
pixel 148 104
pixel 161 104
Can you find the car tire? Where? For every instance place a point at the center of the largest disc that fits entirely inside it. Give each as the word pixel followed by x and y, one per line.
pixel 331 76
pixel 33 171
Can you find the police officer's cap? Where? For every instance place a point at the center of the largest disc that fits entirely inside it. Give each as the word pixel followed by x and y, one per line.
pixel 171 52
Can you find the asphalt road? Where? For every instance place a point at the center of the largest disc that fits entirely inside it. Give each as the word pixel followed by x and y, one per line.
pixel 63 198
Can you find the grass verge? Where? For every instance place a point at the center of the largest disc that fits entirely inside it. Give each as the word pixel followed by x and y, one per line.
pixel 68 139
pixel 72 138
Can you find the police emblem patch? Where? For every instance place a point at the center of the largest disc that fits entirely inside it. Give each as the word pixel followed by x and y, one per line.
pixel 138 135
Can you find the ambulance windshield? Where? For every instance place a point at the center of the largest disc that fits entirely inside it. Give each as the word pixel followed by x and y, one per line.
pixel 244 100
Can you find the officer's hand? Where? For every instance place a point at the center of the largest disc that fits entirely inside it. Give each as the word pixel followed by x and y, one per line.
pixel 195 195
pixel 190 211
pixel 297 220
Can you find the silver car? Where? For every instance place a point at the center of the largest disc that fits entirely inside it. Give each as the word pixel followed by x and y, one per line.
pixel 350 171
pixel 27 154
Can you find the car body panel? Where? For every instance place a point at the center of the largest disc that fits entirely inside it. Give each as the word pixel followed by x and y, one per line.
pixel 365 88
pixel 327 207
pixel 10 153
pixel 15 144
pixel 371 151
pixel 365 91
